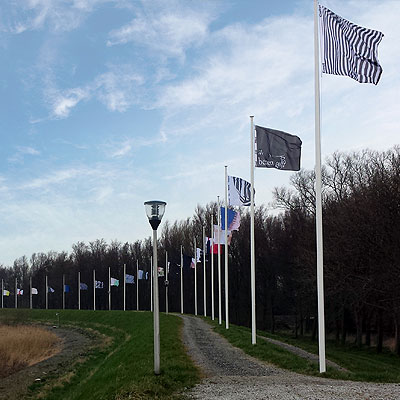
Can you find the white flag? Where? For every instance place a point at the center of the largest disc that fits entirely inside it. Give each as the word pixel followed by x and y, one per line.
pixel 238 191
pixel 34 291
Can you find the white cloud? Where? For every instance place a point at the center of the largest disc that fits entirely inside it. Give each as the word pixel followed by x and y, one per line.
pixel 167 29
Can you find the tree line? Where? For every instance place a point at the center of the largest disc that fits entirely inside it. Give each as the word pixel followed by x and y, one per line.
pixel 361 215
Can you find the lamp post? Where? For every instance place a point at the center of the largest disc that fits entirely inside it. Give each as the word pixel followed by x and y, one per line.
pixel 155 211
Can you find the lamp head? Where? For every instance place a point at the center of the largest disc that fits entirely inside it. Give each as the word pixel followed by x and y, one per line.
pixel 155 210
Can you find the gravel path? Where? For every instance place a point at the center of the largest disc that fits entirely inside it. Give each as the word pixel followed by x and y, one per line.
pixel 231 374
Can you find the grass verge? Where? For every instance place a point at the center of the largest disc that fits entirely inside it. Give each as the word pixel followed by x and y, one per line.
pixel 122 368
pixel 363 364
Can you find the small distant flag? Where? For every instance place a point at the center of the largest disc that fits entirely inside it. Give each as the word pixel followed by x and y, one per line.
pixel 199 252
pixel 221 237
pixel 99 284
pixel 83 286
pixel 114 282
pixel 20 292
pixel 51 290
pixel 140 274
pixel 233 220
pixel 147 275
pixel 238 192
pixel 6 292
pixel 67 289
pixel 160 271
pixel 349 49
pixel 277 149
pixel 129 278
pixel 34 291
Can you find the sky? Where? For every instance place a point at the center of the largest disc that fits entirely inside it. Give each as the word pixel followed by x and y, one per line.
pixel 106 104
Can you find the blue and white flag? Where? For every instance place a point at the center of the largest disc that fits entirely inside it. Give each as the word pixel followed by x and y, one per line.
pixel 129 278
pixel 51 290
pixel 83 286
pixel 233 220
pixel 67 289
pixel 99 285
pixel 349 49
pixel 140 271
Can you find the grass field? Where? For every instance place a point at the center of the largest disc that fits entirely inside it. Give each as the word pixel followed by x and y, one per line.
pixel 122 367
pixel 363 364
pixel 21 346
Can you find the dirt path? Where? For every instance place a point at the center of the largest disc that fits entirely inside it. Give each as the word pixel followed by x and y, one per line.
pixel 231 374
pixel 73 345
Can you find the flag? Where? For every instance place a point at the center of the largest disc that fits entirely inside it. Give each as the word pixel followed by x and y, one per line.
pixel 239 193
pixel 199 252
pixel 50 289
pixel 233 220
pixel 6 292
pixel 193 263
pixel 129 278
pixel 99 285
pixel 34 291
pixel 83 286
pixel 349 49
pixel 67 289
pixel 147 275
pixel 221 237
pixel 140 275
pixel 277 149
pixel 160 271
pixel 114 282
pixel 209 244
pixel 20 292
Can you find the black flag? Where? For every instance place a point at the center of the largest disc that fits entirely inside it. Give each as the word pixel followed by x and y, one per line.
pixel 277 149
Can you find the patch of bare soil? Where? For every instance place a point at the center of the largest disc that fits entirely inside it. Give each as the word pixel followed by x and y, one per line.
pixel 73 345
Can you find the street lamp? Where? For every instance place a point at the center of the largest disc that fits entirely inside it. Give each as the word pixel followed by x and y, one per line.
pixel 155 211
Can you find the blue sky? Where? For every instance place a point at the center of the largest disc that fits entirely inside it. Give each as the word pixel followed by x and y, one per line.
pixel 108 103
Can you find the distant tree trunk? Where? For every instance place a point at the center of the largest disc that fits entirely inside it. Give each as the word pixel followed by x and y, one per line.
pixel 397 333
pixel 314 330
pixel 368 332
pixel 272 316
pixel 295 326
pixel 359 321
pixel 379 344
pixel 301 322
pixel 344 327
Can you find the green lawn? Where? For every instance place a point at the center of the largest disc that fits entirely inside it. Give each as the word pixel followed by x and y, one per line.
pixel 122 368
pixel 363 364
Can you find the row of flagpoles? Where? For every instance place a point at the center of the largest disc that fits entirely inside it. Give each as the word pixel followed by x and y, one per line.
pixel 347 49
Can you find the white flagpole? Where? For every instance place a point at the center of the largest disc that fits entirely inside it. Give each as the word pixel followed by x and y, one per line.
pixel 94 290
pixel 124 287
pixel 226 252
pixel 137 285
pixel 79 290
pixel 318 195
pixel 219 266
pixel 204 273
pixel 212 268
pixel 151 283
pixel 63 291
pixel 30 293
pixel 252 251
pixel 166 281
pixel 47 293
pixel 16 294
pixel 181 280
pixel 109 288
pixel 195 278
pixel 2 293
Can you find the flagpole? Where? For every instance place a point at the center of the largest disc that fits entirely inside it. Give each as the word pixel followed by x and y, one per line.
pixel 195 278
pixel 124 287
pixel 137 285
pixel 94 290
pixel 318 195
pixel 16 294
pixel 204 273
pixel 63 289
pixel 226 252
pixel 79 290
pixel 212 268
pixel 166 281
pixel 181 280
pixel 30 293
pixel 47 293
pixel 151 283
pixel 109 288
pixel 219 265
pixel 252 248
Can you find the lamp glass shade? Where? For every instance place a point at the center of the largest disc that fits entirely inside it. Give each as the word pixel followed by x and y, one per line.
pixel 155 209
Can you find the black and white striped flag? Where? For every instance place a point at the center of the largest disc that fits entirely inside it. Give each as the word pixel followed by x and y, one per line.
pixel 238 191
pixel 349 49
